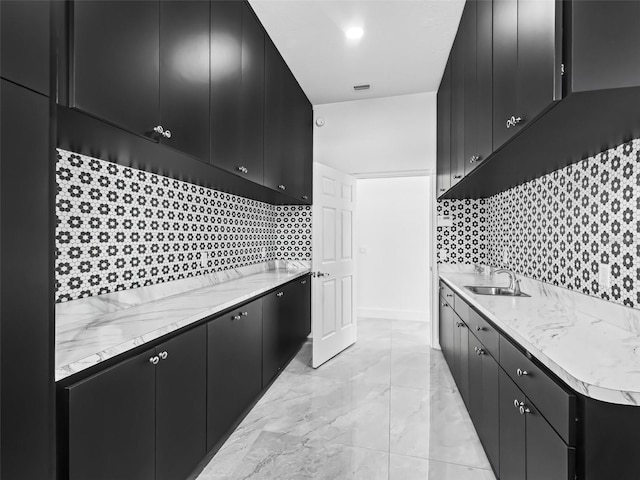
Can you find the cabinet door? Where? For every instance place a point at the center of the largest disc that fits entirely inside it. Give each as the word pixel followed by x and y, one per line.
pixel 548 457
pixel 252 96
pixel 484 75
pixel 505 64
pixel 181 404
pixel 24 54
pixel 457 109
pixel 446 331
pixel 234 367
pixel 115 62
pixel 490 409
pixel 469 53
pixel 461 358
pixel 112 423
pixel 444 132
pixel 512 431
pixel 301 144
pixel 271 335
pixel 539 40
pixel 184 76
pixel 303 315
pixel 475 384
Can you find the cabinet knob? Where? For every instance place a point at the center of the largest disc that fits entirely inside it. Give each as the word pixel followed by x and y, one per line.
pixel 236 317
pixel 443 190
pixel 305 197
pixel 163 355
pixel 479 328
pixel 244 314
pixel 521 373
pixel 475 349
pixel 513 121
pixel 282 187
pixel 474 159
pixel 523 409
pixel 154 360
pixel 457 176
pixel 517 403
pixel 459 324
pixel 243 169
pixel 481 351
pixel 449 295
pixel 159 129
pixel 279 294
pixel 303 282
pixel 445 304
pixel 167 134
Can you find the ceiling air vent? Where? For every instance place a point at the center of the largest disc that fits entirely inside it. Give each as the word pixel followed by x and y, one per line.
pixel 364 86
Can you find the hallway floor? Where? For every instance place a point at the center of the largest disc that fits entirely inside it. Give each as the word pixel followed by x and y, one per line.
pixel 386 408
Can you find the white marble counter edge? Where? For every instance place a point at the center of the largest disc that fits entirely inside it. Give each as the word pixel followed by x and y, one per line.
pixel 579 385
pixel 65 371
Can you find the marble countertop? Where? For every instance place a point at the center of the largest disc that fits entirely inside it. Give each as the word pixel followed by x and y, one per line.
pixel 568 332
pixel 89 331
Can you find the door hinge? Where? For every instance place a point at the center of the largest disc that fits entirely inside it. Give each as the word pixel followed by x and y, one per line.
pixel 562 69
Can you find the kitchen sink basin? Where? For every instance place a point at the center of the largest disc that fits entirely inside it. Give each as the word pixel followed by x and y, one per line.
pixel 492 290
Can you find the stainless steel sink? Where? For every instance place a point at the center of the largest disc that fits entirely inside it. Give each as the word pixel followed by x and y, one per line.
pixel 492 290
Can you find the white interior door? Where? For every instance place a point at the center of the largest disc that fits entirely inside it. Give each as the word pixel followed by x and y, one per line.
pixel 333 316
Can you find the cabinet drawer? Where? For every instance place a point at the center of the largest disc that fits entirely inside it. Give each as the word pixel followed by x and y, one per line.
pixel 461 307
pixel 484 331
pixel 556 403
pixel 446 293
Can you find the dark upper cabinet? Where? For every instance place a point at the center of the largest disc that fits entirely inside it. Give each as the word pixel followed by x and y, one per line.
pixel 288 131
pixel 111 423
pixel 505 64
pixel 24 43
pixel 234 367
pixel 526 62
pixel 237 89
pixel 115 72
pixel 484 84
pixel 184 76
pixel 443 137
pixel 143 65
pixel 457 107
pixel 469 55
pixel 180 396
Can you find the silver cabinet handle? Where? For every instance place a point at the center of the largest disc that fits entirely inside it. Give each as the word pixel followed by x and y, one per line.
pixel 459 324
pixel 481 351
pixel 305 197
pixel 513 121
pixel 474 159
pixel 445 304
pixel 163 355
pixel 282 187
pixel 243 169
pixel 167 134
pixel 479 328
pixel 236 317
pixel 517 403
pixel 457 176
pixel 443 190
pixel 244 314
pixel 159 129
pixel 279 294
pixel 303 282
pixel 524 409
pixel 154 360
pixel 521 373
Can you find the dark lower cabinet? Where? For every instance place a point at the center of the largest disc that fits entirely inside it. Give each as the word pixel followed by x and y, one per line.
pixel 181 392
pixel 461 357
pixel 446 330
pixel 111 423
pixel 483 399
pixel 285 325
pixel 234 367
pixel 529 447
pixel 142 419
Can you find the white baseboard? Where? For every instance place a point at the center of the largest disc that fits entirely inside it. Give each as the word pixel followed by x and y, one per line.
pixel 415 315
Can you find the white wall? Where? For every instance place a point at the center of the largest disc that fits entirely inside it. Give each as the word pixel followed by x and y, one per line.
pixel 392 228
pixel 392 134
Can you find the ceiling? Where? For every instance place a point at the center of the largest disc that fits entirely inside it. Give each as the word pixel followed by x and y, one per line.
pixel 403 51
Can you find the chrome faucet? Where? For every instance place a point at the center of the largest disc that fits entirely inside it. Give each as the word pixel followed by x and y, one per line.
pixel 514 283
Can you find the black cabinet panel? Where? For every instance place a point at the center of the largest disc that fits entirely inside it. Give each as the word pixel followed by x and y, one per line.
pixel 26 280
pixel 115 62
pixel 457 109
pixel 491 410
pixel 112 423
pixel 505 64
pixel 538 72
pixel 512 431
pixel 484 75
pixel 24 54
pixel 461 357
pixel 234 367
pixel 444 132
pixel 180 397
pixel 184 76
pixel 446 330
pixel 469 53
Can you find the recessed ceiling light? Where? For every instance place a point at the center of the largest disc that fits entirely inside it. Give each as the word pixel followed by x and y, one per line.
pixel 354 33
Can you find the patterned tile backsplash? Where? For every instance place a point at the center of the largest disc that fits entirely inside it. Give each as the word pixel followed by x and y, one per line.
pixel 559 228
pixel 120 228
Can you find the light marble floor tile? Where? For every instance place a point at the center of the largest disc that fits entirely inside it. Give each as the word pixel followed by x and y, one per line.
pixel 279 456
pixel 413 468
pixel 402 467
